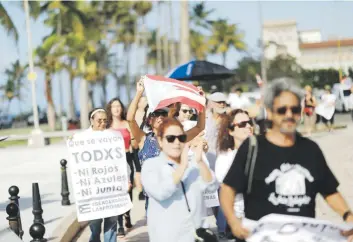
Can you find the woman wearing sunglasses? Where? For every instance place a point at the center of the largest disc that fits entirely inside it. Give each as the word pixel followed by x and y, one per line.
pixel 234 129
pixel 175 186
pixel 185 113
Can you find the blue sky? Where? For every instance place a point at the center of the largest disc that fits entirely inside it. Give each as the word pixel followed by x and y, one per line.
pixel 333 18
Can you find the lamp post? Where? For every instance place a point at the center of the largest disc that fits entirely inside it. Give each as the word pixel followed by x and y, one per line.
pixel 37 139
pixel 263 60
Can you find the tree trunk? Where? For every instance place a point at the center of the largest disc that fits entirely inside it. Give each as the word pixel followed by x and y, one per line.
pixel 224 56
pixel 159 44
pixel 185 32
pixel 84 100
pixel 173 59
pixel 71 110
pixel 104 90
pixel 145 45
pixel 91 103
pixel 50 103
pixel 8 106
pixel 127 73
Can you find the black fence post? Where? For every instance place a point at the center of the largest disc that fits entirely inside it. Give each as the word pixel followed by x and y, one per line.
pixel 12 210
pixel 64 184
pixel 14 198
pixel 37 204
pixel 37 231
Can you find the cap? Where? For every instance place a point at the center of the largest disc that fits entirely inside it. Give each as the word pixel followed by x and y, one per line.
pixel 217 97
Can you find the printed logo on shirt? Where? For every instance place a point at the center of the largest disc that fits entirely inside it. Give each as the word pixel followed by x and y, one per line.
pixel 290 186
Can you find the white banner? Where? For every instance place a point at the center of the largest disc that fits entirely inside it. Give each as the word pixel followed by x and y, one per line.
pixel 211 199
pixel 99 176
pixel 279 228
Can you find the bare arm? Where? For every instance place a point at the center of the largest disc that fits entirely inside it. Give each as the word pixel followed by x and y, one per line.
pixel 192 133
pixel 337 203
pixel 135 129
pixel 227 197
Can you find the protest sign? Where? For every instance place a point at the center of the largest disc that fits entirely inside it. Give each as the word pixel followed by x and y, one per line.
pixel 211 199
pixel 278 228
pixel 326 108
pixel 99 176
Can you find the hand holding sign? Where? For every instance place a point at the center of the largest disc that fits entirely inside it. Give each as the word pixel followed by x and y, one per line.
pixel 238 230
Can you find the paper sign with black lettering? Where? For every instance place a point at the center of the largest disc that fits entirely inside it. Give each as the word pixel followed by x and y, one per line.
pixel 279 228
pixel 99 174
pixel 211 199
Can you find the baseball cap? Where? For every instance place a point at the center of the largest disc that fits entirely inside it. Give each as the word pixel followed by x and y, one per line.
pixel 217 97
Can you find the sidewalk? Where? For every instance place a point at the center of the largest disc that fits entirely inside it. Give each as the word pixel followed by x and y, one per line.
pixel 21 166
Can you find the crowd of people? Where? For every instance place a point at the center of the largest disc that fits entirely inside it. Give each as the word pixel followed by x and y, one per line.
pixel 253 158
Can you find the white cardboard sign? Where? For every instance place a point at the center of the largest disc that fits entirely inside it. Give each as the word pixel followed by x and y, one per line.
pixel 99 176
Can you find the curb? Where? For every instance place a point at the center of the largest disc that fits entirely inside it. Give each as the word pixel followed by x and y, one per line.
pixel 69 229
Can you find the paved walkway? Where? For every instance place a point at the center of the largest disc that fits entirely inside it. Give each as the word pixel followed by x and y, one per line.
pixel 21 167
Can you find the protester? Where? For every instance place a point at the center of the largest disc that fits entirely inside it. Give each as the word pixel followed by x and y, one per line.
pixel 234 129
pixel 175 186
pixel 326 108
pixel 288 170
pixel 116 114
pixel 309 104
pixel 98 119
pixel 217 104
pixel 237 100
pixel 148 145
pixel 185 113
pixel 351 102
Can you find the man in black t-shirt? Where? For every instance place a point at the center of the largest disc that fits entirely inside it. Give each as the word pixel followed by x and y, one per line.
pixel 289 170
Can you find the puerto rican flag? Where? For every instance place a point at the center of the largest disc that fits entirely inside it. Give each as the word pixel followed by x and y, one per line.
pixel 162 92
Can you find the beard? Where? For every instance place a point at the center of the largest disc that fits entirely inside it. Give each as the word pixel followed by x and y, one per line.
pixel 219 110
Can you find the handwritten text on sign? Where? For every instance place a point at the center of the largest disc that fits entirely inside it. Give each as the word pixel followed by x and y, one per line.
pixel 99 174
pixel 278 228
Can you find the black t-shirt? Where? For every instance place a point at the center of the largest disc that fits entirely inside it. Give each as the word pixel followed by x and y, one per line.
pixel 286 179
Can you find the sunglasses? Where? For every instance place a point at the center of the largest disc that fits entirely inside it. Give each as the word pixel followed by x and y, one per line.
pixel 222 102
pixel 187 111
pixel 159 114
pixel 294 109
pixel 241 124
pixel 171 138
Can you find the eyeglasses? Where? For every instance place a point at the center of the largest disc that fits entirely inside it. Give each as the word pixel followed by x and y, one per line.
pixel 242 124
pixel 159 114
pixel 221 102
pixel 100 121
pixel 187 111
pixel 294 109
pixel 171 138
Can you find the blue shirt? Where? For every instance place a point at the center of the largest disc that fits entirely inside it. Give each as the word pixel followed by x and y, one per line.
pixel 167 214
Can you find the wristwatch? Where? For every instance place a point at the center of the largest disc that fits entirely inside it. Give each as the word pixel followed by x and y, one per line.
pixel 346 214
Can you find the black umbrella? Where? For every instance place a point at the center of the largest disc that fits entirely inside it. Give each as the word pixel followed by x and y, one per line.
pixel 200 71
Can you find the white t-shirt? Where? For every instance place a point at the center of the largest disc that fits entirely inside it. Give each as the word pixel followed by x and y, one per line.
pixel 223 163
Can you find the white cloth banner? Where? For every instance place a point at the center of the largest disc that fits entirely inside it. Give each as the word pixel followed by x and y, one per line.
pixel 279 228
pixel 99 176
pixel 326 108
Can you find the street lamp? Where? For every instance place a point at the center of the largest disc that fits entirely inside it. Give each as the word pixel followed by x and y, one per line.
pixel 37 138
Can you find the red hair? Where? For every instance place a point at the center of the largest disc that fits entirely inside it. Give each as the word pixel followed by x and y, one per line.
pixel 166 123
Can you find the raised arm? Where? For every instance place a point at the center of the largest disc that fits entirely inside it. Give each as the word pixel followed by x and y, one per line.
pixel 137 133
pixel 200 126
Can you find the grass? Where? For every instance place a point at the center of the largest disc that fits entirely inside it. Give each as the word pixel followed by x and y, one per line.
pixel 23 131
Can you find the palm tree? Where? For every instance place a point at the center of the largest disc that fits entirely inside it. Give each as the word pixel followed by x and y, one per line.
pixel 142 8
pixel 14 83
pixel 199 20
pixel 48 59
pixel 7 23
pixel 225 36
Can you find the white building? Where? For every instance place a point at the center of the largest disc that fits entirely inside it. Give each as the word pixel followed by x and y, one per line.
pixel 311 52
